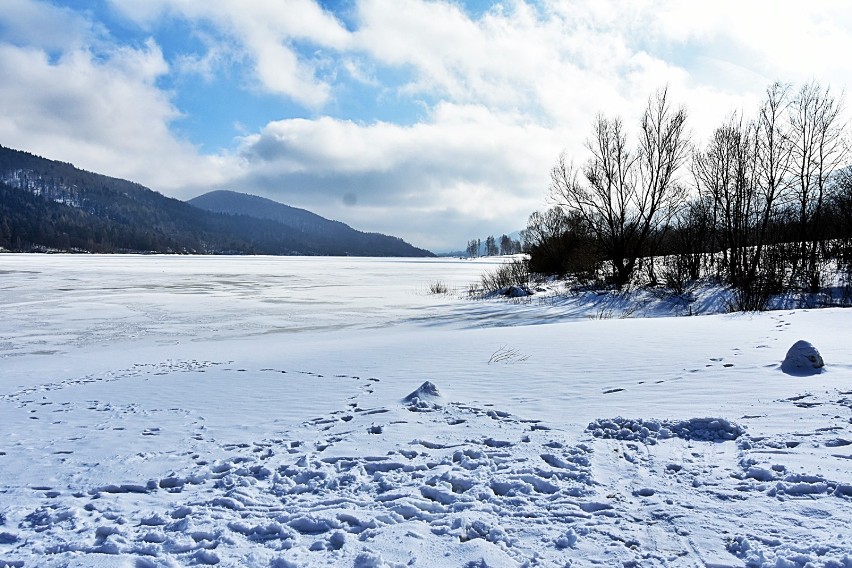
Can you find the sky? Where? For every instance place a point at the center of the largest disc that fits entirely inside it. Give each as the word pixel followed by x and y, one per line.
pixel 436 121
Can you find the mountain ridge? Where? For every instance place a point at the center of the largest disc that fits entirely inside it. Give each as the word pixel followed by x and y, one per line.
pixel 48 205
pixel 310 225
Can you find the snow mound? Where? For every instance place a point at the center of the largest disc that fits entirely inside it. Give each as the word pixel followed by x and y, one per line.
pixel 802 359
pixel 759 553
pixel 649 431
pixel 516 292
pixel 425 398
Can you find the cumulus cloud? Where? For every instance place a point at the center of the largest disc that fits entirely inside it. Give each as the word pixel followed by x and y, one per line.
pixel 105 114
pixel 464 144
pixel 263 31
pixel 464 164
pixel 42 25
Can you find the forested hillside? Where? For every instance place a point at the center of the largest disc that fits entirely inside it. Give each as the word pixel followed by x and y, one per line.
pixel 319 231
pixel 50 205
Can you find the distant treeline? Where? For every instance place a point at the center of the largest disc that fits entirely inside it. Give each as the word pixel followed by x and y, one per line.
pixel 493 247
pixel 764 205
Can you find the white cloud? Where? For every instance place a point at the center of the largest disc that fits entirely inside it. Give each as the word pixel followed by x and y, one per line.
pixel 205 65
pixel 263 30
pixel 495 60
pixel 105 115
pixel 459 143
pixel 42 25
pixel 465 163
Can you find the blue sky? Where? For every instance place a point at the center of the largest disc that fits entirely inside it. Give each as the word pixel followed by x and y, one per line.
pixel 434 120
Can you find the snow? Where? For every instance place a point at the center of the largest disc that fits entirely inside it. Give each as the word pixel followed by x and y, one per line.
pixel 259 411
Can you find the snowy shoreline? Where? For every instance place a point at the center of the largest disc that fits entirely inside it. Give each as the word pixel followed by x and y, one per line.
pixel 165 411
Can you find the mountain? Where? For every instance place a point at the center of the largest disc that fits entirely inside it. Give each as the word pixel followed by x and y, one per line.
pixel 310 226
pixel 51 205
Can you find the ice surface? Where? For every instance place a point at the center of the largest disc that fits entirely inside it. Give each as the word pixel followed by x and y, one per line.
pixel 170 411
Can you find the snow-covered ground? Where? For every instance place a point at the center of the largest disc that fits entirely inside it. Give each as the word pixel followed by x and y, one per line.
pixel 253 411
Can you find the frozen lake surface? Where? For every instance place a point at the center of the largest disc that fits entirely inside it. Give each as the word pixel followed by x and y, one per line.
pixel 253 411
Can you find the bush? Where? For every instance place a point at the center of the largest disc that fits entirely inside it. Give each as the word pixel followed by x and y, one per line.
pixel 559 244
pixel 754 290
pixel 438 287
pixel 513 273
pixel 678 273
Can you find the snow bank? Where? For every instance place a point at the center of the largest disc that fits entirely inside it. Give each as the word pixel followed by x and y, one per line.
pixel 650 430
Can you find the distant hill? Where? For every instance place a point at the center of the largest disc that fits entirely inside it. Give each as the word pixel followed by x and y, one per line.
pixel 320 231
pixel 46 205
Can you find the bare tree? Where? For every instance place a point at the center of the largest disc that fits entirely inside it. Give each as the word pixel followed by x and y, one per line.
pixel 473 248
pixel 690 242
pixel 724 175
pixel 543 229
pixel 772 154
pixel 626 196
pixel 558 244
pixel 506 245
pixel 491 246
pixel 743 172
pixel 818 150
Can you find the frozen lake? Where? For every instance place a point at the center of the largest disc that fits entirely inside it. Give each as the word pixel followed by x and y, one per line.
pixel 251 411
pixel 223 296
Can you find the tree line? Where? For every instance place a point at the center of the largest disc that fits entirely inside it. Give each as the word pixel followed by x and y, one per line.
pixel 764 204
pixel 493 247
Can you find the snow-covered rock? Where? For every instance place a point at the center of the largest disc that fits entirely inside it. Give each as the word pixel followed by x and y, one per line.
pixel 427 390
pixel 425 398
pixel 516 292
pixel 802 359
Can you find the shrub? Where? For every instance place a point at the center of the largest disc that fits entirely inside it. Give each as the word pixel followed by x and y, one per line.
pixel 513 273
pixel 558 244
pixel 438 287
